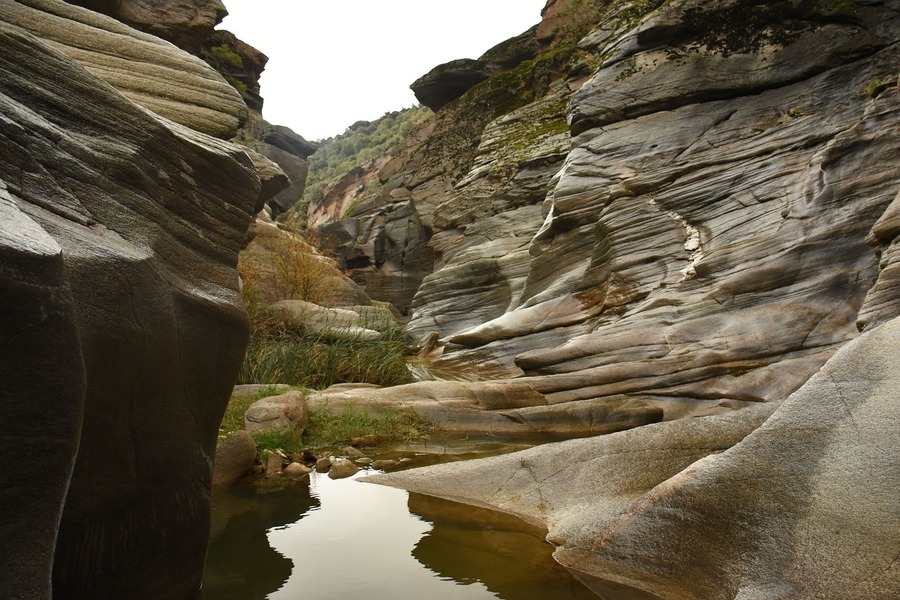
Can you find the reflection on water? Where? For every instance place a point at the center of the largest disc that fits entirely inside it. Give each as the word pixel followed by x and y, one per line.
pixel 345 539
pixel 502 552
pixel 240 563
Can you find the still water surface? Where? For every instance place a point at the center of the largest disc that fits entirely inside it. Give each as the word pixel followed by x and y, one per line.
pixel 345 539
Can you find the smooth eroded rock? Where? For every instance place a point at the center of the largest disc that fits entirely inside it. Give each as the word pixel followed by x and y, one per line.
pixel 148 217
pixel 235 454
pixel 285 413
pixel 145 69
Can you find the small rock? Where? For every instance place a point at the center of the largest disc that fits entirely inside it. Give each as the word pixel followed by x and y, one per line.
pixel 342 468
pixel 323 464
pixel 364 460
pixel 405 459
pixel 296 470
pixel 384 464
pixel 352 452
pixel 273 464
pixel 364 441
pixel 234 457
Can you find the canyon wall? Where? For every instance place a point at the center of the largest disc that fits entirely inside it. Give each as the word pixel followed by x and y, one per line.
pixel 686 206
pixel 123 214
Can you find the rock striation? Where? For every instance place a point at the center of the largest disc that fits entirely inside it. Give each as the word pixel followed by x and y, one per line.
pixel 169 92
pixel 799 504
pixel 687 205
pixel 185 24
pixel 668 204
pixel 144 68
pixel 122 326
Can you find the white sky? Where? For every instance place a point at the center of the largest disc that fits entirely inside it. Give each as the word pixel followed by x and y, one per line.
pixel 335 62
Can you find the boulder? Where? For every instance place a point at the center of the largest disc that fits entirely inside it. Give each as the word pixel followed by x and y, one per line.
pixel 285 413
pixel 235 454
pixel 384 464
pixel 337 323
pixel 121 229
pixel 342 468
pixel 352 453
pixel 296 470
pixel 272 464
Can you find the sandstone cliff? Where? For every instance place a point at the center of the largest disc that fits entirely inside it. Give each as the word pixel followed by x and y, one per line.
pixel 680 203
pixel 682 206
pixel 121 322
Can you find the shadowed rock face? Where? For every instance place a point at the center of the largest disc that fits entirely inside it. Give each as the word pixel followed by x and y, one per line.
pixel 120 234
pixel 286 149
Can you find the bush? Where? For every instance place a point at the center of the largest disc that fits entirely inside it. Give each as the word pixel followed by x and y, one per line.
pixel 291 271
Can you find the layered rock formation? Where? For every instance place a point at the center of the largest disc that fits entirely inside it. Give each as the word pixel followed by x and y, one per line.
pixel 679 226
pixel 285 148
pixel 804 506
pixel 692 207
pixel 122 326
pixel 190 25
pixel 186 24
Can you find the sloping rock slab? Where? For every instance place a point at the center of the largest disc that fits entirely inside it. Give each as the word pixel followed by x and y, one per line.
pixel 500 407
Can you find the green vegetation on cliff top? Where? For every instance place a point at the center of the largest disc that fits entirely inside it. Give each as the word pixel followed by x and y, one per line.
pixel 361 143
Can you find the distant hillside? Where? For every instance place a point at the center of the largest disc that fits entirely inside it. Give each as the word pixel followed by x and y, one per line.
pixel 357 146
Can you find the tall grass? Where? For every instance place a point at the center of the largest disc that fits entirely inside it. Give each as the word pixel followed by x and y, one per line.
pixel 281 352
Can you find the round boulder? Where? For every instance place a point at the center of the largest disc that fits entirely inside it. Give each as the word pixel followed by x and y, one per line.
pixel 277 414
pixel 341 468
pixel 296 470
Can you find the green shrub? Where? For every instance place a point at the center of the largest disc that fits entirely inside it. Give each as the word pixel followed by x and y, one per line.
pixel 224 54
pixel 356 147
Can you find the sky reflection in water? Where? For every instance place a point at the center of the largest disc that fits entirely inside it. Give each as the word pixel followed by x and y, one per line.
pixel 345 539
